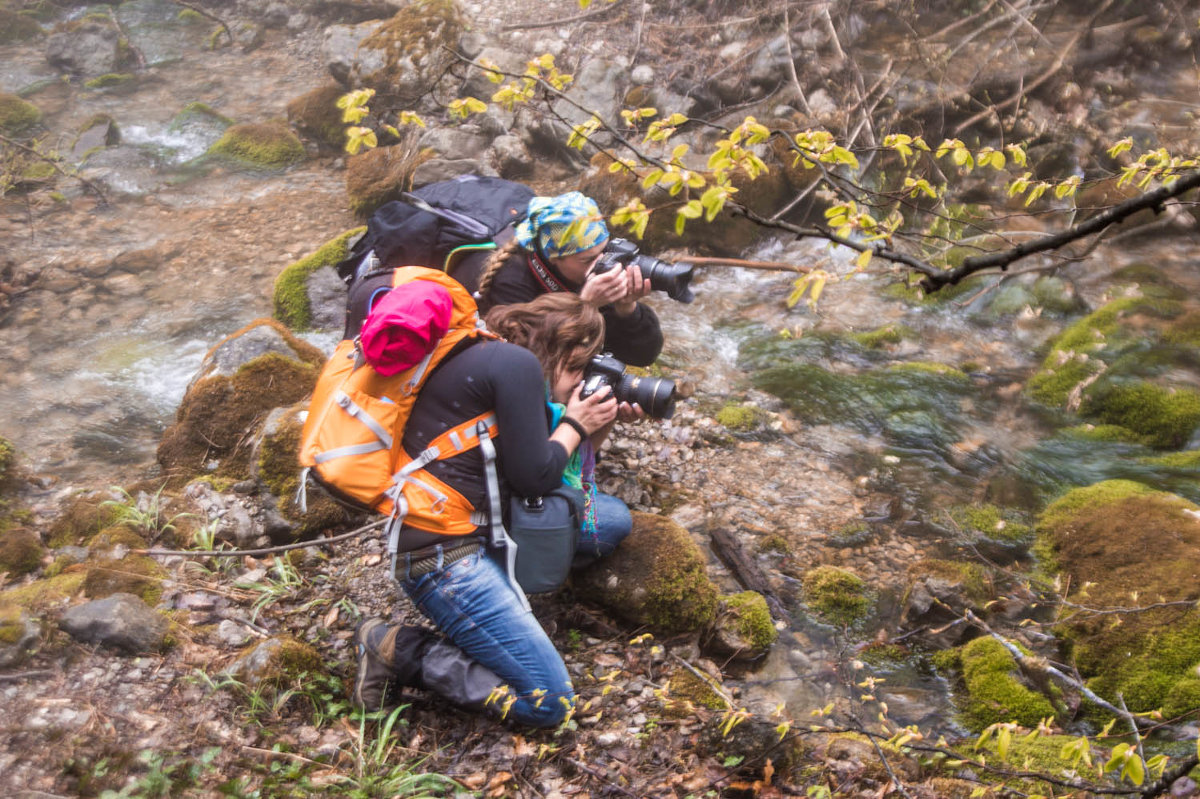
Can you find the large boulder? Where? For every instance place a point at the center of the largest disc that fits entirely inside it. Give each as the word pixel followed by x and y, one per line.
pixel 88 49
pixel 655 578
pixel 403 58
pixel 248 374
pixel 1121 544
pixel 121 621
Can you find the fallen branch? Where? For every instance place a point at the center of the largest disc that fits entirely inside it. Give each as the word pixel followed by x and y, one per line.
pixel 778 266
pixel 528 26
pixel 237 553
pixel 54 163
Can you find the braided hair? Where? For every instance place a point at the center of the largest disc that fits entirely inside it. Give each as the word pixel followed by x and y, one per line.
pixel 492 265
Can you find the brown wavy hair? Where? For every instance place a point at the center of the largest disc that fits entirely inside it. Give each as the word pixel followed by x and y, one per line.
pixel 562 330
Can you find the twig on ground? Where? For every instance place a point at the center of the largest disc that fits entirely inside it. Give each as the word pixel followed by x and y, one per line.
pixel 604 9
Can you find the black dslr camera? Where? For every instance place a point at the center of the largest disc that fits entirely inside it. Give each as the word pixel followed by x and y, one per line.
pixel 671 278
pixel 655 395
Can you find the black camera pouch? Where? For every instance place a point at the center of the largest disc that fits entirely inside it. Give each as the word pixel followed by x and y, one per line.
pixel 545 530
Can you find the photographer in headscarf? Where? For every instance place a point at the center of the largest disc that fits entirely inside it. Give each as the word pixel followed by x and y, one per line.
pixel 555 249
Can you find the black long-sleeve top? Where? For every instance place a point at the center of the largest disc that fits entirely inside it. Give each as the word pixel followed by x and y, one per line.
pixel 492 375
pixel 636 339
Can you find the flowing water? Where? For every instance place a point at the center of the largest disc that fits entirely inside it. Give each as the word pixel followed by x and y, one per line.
pixel 96 354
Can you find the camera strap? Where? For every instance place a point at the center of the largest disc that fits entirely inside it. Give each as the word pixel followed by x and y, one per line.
pixel 544 276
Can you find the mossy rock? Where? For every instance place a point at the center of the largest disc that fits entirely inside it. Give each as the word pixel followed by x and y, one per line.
pixel 743 629
pixel 84 518
pixel 278 469
pixel 995 691
pixel 109 81
pixel 45 595
pixel 21 551
pixel 1110 433
pixel 992 523
pixel 687 690
pixel 8 466
pixel 1079 354
pixel 316 114
pixel 292 306
pixel 134 574
pixel 11 625
pixel 260 145
pixel 17 115
pixel 1123 544
pixel 117 535
pixel 1163 417
pixel 199 115
pixel 416 47
pixel 882 337
pixel 851 535
pixel 16 26
pixel 380 175
pixel 656 577
pixel 740 417
pixel 836 595
pixel 1184 331
pixel 217 420
pixel 1150 281
pixel 276 661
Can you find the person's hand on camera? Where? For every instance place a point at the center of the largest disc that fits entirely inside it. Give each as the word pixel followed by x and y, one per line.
pixel 620 287
pixel 594 412
pixel 630 412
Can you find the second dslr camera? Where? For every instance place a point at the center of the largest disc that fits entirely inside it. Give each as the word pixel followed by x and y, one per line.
pixel 655 395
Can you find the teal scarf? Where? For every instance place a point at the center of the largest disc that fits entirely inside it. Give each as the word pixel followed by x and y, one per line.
pixel 580 471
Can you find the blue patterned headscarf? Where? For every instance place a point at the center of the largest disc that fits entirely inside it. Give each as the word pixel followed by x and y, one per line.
pixel 550 220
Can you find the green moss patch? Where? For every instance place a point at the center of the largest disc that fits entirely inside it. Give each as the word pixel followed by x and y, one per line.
pixel 1079 354
pixel 291 302
pixel 739 417
pixel 40 596
pixel 994 689
pixel 83 519
pixel 992 523
pixel 316 114
pixel 883 336
pixel 686 689
pixel 20 551
pixel 753 618
pixel 108 81
pixel 135 574
pixel 17 115
pixel 836 595
pixel 1124 545
pixel 262 145
pixel 656 577
pixel 1163 417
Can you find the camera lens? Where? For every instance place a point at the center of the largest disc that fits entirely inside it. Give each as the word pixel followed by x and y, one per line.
pixel 668 277
pixel 655 395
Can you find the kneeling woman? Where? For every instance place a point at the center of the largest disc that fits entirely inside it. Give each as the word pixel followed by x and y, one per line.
pixel 491 640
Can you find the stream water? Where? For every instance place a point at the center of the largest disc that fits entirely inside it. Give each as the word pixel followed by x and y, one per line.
pixel 96 355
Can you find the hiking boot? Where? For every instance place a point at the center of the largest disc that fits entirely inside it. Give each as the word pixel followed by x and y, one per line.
pixel 389 658
pixel 375 645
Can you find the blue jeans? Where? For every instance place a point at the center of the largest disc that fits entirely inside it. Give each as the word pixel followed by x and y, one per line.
pixel 613 523
pixel 472 602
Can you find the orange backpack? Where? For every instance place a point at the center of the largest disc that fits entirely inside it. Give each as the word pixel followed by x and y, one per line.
pixel 351 441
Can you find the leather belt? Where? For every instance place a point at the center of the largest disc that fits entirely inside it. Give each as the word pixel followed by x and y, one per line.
pixel 422 563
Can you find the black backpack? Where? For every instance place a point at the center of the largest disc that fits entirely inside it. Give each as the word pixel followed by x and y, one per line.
pixel 435 225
